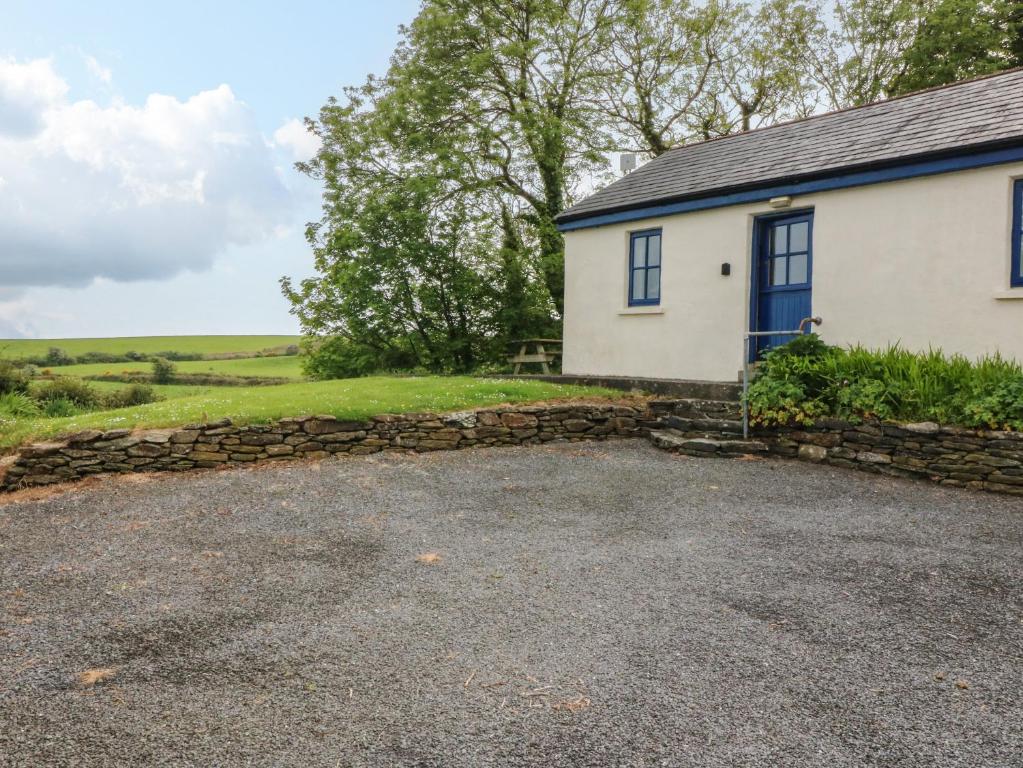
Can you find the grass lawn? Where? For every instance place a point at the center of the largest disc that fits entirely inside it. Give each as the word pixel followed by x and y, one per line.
pixel 345 398
pixel 289 367
pixel 205 345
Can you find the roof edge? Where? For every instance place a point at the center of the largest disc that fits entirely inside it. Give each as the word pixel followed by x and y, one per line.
pixel 864 174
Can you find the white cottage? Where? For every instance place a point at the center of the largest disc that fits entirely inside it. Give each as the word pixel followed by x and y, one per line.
pixel 894 222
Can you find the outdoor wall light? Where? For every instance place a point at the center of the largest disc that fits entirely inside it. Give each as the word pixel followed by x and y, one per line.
pixel 780 202
pixel 726 269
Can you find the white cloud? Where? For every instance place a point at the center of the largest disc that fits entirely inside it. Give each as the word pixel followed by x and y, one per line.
pixel 98 71
pixel 27 92
pixel 127 192
pixel 294 136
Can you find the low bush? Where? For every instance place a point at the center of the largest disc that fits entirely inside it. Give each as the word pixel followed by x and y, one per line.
pixel 807 379
pixel 60 407
pixel 136 394
pixel 18 405
pixel 12 379
pixel 335 357
pixel 57 356
pixel 163 370
pixel 74 391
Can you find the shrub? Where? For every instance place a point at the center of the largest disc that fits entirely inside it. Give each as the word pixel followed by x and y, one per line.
pixel 336 357
pixel 806 379
pixel 18 405
pixel 136 394
pixel 60 407
pixel 57 356
pixel 163 370
pixel 12 379
pixel 74 391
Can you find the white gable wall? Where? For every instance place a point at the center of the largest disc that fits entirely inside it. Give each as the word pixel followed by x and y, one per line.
pixel 923 262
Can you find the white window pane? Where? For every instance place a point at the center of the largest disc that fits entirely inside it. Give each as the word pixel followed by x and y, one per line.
pixel 637 284
pixel 654 251
pixel 797 269
pixel 778 272
pixel 779 243
pixel 653 284
pixel 798 235
pixel 639 252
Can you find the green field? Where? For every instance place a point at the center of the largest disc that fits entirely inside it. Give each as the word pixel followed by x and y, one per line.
pixel 204 345
pixel 286 367
pixel 346 398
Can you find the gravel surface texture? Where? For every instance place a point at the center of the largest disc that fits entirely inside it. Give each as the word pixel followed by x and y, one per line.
pixel 566 605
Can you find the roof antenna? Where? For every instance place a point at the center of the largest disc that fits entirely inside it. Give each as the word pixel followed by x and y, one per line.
pixel 627 162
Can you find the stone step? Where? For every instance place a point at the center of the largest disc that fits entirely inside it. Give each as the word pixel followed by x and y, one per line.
pixel 687 408
pixel 704 427
pixel 672 440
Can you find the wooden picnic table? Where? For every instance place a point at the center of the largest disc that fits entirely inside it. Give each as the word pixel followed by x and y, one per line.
pixel 538 355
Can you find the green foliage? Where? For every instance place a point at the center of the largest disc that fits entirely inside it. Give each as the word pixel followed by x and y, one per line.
pixel 57 356
pixel 806 379
pixel 60 408
pixel 16 405
pixel 68 389
pixel 1002 407
pixel 163 370
pixel 136 394
pixel 958 39
pixel 406 279
pixel 336 357
pixel 12 379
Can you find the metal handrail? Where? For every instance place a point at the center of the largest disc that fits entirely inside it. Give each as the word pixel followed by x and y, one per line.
pixel 745 363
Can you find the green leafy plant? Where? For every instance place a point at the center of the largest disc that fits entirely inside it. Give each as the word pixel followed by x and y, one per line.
pixel 136 394
pixel 18 405
pixel 163 370
pixel 12 378
pixel 807 379
pixel 74 391
pixel 60 407
pixel 57 356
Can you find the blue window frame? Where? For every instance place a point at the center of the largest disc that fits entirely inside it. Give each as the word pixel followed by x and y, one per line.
pixel 645 268
pixel 1017 234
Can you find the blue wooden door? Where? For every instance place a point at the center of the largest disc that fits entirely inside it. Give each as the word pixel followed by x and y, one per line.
pixel 782 282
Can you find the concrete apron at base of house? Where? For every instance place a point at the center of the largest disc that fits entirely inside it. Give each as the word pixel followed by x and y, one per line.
pixel 974 459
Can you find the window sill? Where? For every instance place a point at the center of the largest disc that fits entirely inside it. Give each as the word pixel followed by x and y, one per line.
pixel 654 310
pixel 1010 295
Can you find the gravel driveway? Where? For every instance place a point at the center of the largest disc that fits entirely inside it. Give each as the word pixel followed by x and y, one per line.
pixel 571 605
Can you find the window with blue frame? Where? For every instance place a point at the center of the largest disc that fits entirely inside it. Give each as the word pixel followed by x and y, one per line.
pixel 645 268
pixel 1017 233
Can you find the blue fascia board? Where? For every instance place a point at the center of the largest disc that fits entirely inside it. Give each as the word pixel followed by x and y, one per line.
pixel 840 181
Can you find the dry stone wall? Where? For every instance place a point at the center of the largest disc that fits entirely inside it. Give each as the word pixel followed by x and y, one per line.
pixel 221 443
pixel 979 459
pixel 968 458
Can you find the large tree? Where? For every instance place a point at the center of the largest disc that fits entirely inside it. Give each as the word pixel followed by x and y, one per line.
pixel 958 39
pixel 498 92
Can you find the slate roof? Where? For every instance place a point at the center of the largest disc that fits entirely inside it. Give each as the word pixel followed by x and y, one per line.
pixel 982 113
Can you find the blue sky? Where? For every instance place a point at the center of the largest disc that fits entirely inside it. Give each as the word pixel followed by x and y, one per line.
pixel 145 158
